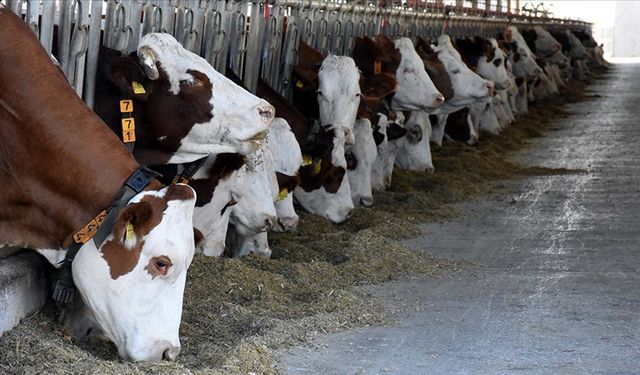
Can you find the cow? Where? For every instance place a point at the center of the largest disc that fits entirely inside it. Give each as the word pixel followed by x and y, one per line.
pixel 521 57
pixel 61 167
pixel 434 67
pixel 468 88
pixel 391 133
pixel 415 152
pixel 183 108
pixel 255 212
pixel 381 55
pixel 324 187
pixel 272 179
pixel 361 157
pixel 287 158
pixel 485 57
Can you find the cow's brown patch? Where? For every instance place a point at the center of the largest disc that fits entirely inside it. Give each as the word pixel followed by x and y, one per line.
pixel 222 167
pixel 434 67
pixel 287 182
pixel 198 237
pixel 143 216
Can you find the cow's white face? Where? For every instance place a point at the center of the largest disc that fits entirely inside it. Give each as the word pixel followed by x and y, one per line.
pixel 287 159
pixel 487 118
pixel 415 90
pixel 134 283
pixel 546 44
pixel 336 207
pixel 237 117
pixel 468 86
pixel 212 218
pixel 495 69
pixel 256 212
pixel 523 60
pixel 365 151
pixel 415 154
pixel 339 94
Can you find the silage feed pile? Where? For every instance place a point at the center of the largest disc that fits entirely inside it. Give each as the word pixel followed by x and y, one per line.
pixel 238 310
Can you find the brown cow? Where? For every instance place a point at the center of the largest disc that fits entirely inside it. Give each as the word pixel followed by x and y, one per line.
pixel 61 166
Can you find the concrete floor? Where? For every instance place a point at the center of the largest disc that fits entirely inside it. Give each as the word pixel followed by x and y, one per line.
pixel 557 289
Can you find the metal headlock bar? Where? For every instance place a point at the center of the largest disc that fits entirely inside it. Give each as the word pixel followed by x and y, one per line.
pixel 257 39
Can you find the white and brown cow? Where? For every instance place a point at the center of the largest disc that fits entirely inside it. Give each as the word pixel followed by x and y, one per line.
pixel 184 109
pixel 60 167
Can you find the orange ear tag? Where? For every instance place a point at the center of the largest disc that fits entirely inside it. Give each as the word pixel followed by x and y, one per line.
pixel 128 130
pixel 126 106
pixel 377 67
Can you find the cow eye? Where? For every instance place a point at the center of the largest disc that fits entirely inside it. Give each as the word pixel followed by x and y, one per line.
pixel 159 266
pixel 319 93
pixel 358 95
pixel 497 62
pixel 455 71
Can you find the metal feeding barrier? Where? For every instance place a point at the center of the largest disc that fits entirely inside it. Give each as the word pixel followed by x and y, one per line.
pixel 254 39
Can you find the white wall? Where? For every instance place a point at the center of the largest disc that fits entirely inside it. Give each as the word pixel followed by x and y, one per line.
pixel 626 30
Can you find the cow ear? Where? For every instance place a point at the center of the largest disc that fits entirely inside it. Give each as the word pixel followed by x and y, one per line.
pixel 129 77
pixel 508 35
pixel 133 223
pixel 395 131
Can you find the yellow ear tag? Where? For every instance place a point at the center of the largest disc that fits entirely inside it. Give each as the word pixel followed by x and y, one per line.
pixel 130 235
pixel 299 84
pixel 137 88
pixel 317 166
pixel 283 194
pixel 377 67
pixel 306 160
pixel 128 130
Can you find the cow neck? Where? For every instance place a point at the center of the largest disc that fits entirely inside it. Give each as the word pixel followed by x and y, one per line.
pixel 60 164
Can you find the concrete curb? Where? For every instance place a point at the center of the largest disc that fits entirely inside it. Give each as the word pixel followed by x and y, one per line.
pixel 23 287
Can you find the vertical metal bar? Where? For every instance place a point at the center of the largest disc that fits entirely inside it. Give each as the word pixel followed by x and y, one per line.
pixel 136 8
pixel 46 25
pixel 92 52
pixel 254 46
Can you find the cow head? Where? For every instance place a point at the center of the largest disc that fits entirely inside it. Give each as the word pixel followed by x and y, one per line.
pixel 545 43
pixel 415 154
pixel 190 109
pixel 256 212
pixel 324 187
pixel 434 67
pixel 467 85
pixel 492 64
pixel 523 60
pixel 364 151
pixel 287 159
pixel 393 134
pixel 415 89
pixel 134 283
pixel 339 94
pixel 577 48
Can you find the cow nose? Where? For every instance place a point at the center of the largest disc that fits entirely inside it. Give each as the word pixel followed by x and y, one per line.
pixel 489 86
pixel 439 99
pixel 430 170
pixel 267 112
pixel 366 201
pixel 171 353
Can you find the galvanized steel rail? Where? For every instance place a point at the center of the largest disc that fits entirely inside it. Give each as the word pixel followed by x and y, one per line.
pixel 254 39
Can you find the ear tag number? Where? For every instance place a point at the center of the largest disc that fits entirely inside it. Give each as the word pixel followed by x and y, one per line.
pixel 306 160
pixel 377 67
pixel 130 234
pixel 128 130
pixel 138 88
pixel 126 106
pixel 283 194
